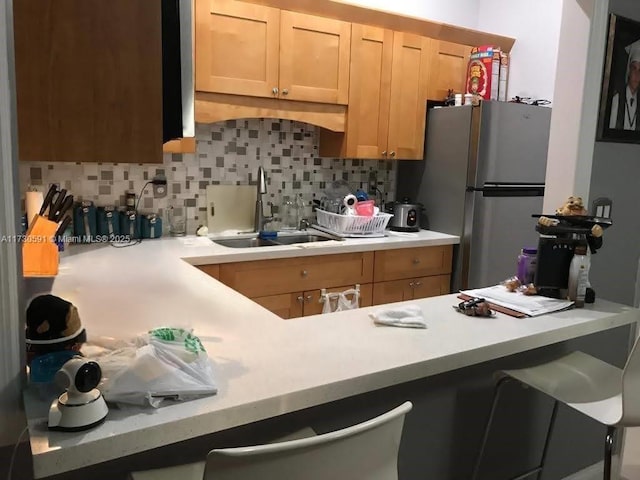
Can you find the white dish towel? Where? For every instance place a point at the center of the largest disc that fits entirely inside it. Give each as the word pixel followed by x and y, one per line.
pixel 410 316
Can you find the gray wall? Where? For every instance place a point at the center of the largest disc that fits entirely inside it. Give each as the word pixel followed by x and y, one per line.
pixel 615 174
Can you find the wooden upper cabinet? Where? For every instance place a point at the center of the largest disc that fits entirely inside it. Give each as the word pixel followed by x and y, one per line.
pixel 314 58
pixel 369 92
pixel 448 68
pixel 409 85
pixel 88 80
pixel 237 48
pixel 248 49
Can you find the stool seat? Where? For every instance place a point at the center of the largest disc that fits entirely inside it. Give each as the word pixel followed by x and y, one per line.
pixel 580 381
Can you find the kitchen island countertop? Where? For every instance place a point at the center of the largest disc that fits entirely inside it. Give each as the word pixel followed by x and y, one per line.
pixel 122 292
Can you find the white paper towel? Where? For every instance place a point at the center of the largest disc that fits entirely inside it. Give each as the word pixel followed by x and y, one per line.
pixel 33 203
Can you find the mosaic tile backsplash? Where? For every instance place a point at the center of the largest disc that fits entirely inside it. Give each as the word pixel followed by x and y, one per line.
pixel 228 153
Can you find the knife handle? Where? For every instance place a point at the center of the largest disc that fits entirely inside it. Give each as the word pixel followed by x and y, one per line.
pixel 55 207
pixel 62 208
pixel 48 198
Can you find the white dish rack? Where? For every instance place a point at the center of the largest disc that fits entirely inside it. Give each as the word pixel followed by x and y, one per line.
pixel 353 225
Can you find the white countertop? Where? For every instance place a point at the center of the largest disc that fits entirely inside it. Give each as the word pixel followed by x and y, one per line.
pixel 121 292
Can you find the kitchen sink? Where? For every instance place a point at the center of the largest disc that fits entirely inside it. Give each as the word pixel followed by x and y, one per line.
pixel 244 242
pixel 291 239
pixel 269 242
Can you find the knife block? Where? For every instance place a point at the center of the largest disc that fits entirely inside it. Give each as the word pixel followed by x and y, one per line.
pixel 39 251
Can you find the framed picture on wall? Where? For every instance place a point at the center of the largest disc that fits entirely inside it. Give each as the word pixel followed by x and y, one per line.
pixel 619 116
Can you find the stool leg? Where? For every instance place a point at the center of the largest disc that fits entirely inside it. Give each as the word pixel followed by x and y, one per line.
pixel 552 422
pixel 485 437
pixel 608 451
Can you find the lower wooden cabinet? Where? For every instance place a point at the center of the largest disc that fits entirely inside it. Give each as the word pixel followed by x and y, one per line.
pixel 291 287
pixel 286 305
pixel 299 304
pixel 286 275
pixel 313 306
pixel 410 289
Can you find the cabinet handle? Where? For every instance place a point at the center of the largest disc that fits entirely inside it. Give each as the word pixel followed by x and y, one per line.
pixel 416 261
pixel 304 273
pixel 411 284
pixel 384 153
pixel 300 299
pixel 418 283
pixel 274 90
pixel 285 91
pixel 308 298
pixel 393 154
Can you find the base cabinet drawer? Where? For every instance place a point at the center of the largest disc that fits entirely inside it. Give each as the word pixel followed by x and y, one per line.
pixel 412 262
pixel 410 289
pixel 272 277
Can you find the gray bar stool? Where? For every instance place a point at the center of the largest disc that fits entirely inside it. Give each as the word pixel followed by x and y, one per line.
pixel 594 388
pixel 366 451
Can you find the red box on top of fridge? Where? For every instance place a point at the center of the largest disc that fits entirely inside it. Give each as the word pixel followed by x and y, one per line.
pixel 483 72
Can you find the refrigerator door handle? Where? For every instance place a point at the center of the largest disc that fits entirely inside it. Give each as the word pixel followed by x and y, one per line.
pixel 509 189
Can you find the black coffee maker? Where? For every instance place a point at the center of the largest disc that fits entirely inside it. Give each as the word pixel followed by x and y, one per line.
pixel 556 246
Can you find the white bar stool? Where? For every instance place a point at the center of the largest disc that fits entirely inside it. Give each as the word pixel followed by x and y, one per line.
pixel 595 388
pixel 366 451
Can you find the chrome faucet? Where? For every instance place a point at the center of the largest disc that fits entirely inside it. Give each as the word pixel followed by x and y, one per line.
pixel 260 220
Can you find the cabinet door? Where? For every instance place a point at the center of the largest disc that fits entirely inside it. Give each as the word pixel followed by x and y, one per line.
pixel 447 69
pixel 88 80
pixel 236 47
pixel 409 84
pixel 393 291
pixel 369 92
pixel 313 306
pixel 424 287
pixel 314 58
pixel 288 305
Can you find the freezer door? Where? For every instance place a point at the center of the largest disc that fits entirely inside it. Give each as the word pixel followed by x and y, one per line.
pixel 501 226
pixel 514 139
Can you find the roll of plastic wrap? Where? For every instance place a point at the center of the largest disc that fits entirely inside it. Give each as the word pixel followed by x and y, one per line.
pixel 33 203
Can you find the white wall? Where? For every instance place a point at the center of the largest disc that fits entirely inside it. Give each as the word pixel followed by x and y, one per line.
pixel 536 28
pixel 455 12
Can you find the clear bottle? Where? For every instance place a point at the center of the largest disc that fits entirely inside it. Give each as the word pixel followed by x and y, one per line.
pixel 300 208
pixel 579 275
pixel 289 214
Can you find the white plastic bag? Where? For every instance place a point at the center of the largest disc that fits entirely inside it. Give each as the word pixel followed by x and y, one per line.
pixel 340 301
pixel 165 363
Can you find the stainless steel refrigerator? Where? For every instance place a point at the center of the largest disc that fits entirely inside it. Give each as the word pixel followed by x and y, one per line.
pixel 482 178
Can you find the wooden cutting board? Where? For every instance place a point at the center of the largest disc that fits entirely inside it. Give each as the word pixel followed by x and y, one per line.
pixel 230 207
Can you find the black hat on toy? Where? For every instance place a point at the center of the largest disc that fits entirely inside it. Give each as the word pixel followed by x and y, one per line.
pixel 53 324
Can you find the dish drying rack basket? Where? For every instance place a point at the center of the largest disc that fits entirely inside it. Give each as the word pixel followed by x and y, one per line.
pixel 353 224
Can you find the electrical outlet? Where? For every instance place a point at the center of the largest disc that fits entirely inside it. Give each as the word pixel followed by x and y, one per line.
pixel 159 191
pixel 373 182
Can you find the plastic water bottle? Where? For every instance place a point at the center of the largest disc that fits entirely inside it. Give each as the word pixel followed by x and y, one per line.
pixel 579 275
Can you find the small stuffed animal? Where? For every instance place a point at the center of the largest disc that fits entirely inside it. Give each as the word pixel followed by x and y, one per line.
pixel 573 206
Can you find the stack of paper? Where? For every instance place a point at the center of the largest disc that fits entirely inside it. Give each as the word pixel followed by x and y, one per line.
pixel 531 305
